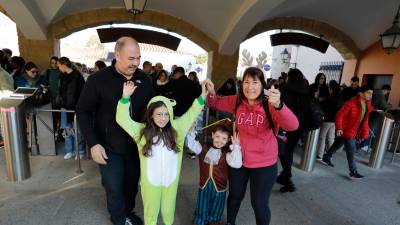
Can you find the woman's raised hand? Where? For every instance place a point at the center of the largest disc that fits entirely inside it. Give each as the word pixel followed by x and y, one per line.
pixel 129 88
pixel 274 96
pixel 209 86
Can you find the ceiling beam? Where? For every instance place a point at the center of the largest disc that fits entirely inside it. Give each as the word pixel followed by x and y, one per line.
pixel 28 17
pixel 246 17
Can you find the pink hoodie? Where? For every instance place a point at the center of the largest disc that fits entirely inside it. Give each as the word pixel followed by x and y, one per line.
pixel 259 144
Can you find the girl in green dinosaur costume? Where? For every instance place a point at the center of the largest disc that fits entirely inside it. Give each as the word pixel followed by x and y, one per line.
pixel 160 142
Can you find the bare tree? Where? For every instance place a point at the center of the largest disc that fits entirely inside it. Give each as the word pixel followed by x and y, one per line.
pixel 247 59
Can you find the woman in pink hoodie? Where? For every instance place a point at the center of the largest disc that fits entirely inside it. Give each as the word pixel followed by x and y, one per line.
pixel 259 114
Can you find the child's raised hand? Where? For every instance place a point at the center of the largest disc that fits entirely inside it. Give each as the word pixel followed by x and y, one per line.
pixel 235 138
pixel 129 88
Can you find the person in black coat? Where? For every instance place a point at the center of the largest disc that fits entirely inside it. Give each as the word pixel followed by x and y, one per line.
pixel 184 91
pixel 162 86
pixel 296 95
pixel 228 88
pixel 111 147
pixel 71 84
pixel 319 89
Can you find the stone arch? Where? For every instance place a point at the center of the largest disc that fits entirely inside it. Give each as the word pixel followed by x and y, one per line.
pixel 82 20
pixel 338 39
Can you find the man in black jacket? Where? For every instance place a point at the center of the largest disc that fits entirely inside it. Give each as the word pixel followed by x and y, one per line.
pixel 111 147
pixel 184 91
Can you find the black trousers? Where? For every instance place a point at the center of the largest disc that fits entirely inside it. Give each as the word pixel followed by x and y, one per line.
pixel 261 182
pixel 286 156
pixel 120 178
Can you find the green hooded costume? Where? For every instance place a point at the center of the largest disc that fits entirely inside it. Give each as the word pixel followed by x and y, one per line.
pixel 160 172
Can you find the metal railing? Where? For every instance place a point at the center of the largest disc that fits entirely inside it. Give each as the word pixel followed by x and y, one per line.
pixel 76 142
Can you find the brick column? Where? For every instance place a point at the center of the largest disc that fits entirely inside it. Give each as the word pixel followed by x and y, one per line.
pixel 37 51
pixel 221 67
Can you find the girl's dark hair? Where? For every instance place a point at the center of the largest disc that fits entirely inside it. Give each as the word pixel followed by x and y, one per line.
pixel 162 72
pixel 65 61
pixel 222 129
pixel 319 75
pixel 29 66
pixel 151 130
pixel 256 73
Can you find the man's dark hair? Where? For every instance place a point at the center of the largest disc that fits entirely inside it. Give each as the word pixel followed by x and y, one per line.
pixel 19 61
pixel 146 63
pixel 7 51
pixel 179 69
pixel 65 61
pixel 54 58
pixel 386 87
pixel 355 79
pixel 365 88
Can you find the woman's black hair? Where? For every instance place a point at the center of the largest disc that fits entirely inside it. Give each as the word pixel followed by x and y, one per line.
pixel 29 66
pixel 319 75
pixel 256 73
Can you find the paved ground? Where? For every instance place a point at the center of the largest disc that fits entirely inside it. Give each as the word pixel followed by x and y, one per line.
pixel 57 195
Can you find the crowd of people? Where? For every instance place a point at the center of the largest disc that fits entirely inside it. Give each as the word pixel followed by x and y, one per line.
pixel 137 122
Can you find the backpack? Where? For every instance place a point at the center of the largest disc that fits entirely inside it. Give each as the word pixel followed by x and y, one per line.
pixel 316 115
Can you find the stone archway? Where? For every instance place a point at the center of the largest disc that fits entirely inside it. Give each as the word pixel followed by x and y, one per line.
pixel 338 39
pixel 79 21
pixel 219 66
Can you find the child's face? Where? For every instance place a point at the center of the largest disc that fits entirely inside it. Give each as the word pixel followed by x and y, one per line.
pixel 219 139
pixel 161 116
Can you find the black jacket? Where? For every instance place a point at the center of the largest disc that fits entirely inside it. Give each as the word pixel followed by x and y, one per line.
pixel 296 96
pixel 98 104
pixel 330 107
pixel 184 91
pixel 70 89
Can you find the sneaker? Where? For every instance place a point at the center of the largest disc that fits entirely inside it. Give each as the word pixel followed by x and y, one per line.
pixel 69 155
pixel 355 175
pixel 128 222
pixel 134 219
pixel 327 162
pixel 288 187
pixel 319 158
pixel 192 155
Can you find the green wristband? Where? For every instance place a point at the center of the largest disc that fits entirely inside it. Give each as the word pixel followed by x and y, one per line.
pixel 201 100
pixel 124 100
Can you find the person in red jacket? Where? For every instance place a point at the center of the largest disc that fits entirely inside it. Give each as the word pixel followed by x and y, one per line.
pixel 351 125
pixel 259 114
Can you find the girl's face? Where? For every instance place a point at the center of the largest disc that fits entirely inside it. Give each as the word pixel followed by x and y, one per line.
pixel 322 80
pixel 161 116
pixel 162 77
pixel 219 139
pixel 32 73
pixel 252 88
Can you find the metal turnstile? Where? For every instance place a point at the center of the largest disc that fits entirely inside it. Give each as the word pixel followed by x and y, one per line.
pixel 381 142
pixel 310 151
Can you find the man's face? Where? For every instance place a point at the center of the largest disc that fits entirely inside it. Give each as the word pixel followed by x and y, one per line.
pixel 147 68
pixel 53 64
pixel 128 58
pixel 367 95
pixel 354 84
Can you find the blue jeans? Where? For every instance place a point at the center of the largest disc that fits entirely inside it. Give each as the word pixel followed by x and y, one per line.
pixel 70 140
pixel 350 148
